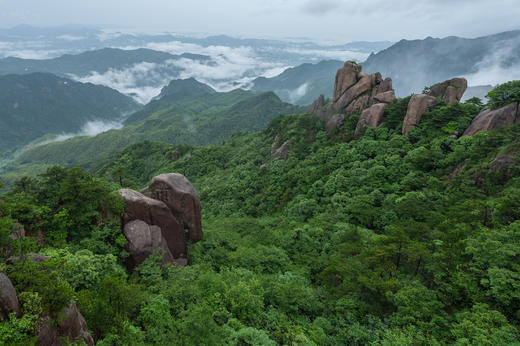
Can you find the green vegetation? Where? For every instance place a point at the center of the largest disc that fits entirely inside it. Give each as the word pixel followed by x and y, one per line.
pixel 37 104
pixel 504 94
pixel 385 240
pixel 176 118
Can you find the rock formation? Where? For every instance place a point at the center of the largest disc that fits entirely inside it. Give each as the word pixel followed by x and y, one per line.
pixel 165 215
pixel 71 325
pixel 371 117
pixel 354 91
pixel 493 119
pixel 418 105
pixel 335 122
pixel 143 240
pixel 8 298
pixel 450 91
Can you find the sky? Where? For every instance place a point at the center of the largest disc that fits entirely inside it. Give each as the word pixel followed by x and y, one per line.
pixel 333 20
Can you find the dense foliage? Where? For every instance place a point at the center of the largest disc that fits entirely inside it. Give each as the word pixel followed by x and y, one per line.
pixel 504 94
pixel 385 240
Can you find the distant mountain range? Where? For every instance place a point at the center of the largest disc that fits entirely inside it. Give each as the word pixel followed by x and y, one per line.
pixel 37 104
pixel 414 64
pixel 301 84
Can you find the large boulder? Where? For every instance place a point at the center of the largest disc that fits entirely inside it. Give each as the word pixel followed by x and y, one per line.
pixel 494 119
pixel 71 325
pixel 346 77
pixel 357 105
pixel 155 212
pixel 143 240
pixel 174 190
pixel 8 298
pixel 371 117
pixel 418 105
pixel 385 97
pixel 451 91
pixel 316 106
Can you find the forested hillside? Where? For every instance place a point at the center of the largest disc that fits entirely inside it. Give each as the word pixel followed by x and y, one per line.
pixel 385 239
pixel 37 104
pixel 197 116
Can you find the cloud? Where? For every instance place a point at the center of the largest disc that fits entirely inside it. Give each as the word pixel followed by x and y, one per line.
pixel 296 94
pixel 320 7
pixel 496 68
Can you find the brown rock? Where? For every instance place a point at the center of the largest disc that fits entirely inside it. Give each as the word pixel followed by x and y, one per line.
pixel 371 117
pixel 357 105
pixel 451 91
pixel 143 240
pixel 418 105
pixel 8 298
pixel 346 77
pixel 155 212
pixel 283 151
pixel 362 86
pixel 334 123
pixel 385 97
pixel 491 120
pixel 71 325
pixel 275 144
pixel 182 199
pixel 316 106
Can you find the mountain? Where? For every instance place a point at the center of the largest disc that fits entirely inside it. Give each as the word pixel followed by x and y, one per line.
pixel 417 63
pixel 207 119
pixel 90 61
pixel 37 104
pixel 301 84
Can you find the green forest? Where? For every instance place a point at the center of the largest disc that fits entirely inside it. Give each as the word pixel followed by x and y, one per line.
pixel 382 240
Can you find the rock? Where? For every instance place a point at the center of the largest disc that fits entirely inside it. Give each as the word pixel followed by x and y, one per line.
pixel 182 199
pixel 451 91
pixel 362 86
pixel 275 144
pixel 371 117
pixel 181 262
pixel 418 105
pixel 457 170
pixel 8 298
pixel 33 257
pixel 335 122
pixel 71 325
pixel 317 105
pixel 155 212
pixel 492 120
pixel 283 151
pixel 175 155
pixel 143 240
pixel 17 232
pixel 346 77
pixel 357 105
pixel 385 97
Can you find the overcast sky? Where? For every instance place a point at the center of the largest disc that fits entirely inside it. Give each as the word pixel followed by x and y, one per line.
pixel 338 20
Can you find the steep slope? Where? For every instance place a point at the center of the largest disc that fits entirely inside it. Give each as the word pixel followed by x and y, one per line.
pixel 418 63
pixel 301 84
pixel 37 104
pixel 208 119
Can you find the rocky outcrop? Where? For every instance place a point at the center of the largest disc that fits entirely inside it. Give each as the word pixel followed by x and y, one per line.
pixel 371 117
pixel 154 212
pixel 283 151
pixel 504 163
pixel 17 232
pixel 354 91
pixel 8 298
pixel 334 123
pixel 451 91
pixel 494 119
pixel 418 105
pixel 164 216
pixel 180 196
pixel 143 240
pixel 70 325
